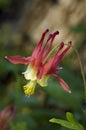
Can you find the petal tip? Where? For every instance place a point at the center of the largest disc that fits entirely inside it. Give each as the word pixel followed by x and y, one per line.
pixel 47 30
pixel 62 44
pixel 5 57
pixel 69 91
pixel 70 43
pixel 57 32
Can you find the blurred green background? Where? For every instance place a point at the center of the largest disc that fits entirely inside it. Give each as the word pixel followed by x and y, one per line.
pixel 21 25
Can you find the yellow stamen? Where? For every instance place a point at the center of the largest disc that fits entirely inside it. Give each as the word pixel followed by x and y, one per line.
pixel 30 88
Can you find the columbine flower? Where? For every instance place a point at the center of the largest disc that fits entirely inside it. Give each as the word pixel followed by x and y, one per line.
pixel 6 115
pixel 44 62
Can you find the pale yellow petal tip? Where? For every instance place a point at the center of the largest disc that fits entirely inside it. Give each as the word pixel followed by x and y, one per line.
pixel 43 82
pixel 30 73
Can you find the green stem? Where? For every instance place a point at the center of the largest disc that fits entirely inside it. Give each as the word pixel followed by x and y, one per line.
pixel 82 71
pixel 81 67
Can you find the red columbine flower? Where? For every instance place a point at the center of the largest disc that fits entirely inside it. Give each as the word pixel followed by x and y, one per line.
pixel 43 63
pixel 6 115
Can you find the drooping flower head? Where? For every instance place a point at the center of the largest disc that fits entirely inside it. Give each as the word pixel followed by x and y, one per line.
pixel 7 114
pixel 43 63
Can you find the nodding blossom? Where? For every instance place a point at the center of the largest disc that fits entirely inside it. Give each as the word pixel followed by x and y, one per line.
pixel 7 114
pixel 43 63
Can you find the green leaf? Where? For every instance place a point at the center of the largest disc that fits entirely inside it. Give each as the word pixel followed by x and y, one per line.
pixel 72 123
pixel 64 123
pixel 70 117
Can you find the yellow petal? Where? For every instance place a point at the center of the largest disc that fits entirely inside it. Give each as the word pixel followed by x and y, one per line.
pixel 30 73
pixel 43 81
pixel 30 88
